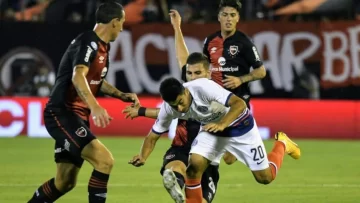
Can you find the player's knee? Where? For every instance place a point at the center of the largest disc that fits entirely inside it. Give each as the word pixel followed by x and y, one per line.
pixel 265 180
pixel 229 158
pixel 105 164
pixel 192 171
pixel 65 184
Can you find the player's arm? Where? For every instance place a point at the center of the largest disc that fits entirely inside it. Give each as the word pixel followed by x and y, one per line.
pixel 253 58
pixel 160 127
pixel 112 91
pixel 136 111
pixel 213 92
pixel 237 106
pixel 82 87
pixel 182 52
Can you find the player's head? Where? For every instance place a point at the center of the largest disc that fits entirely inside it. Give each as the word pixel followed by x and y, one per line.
pixel 229 14
pixel 112 15
pixel 197 66
pixel 175 94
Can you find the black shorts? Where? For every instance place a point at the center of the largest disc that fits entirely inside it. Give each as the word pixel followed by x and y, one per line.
pixel 70 132
pixel 210 178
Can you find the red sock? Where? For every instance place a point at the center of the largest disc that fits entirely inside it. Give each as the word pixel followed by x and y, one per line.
pixel 275 157
pixel 193 191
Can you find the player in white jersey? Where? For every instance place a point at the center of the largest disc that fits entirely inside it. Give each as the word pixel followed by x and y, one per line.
pixel 230 128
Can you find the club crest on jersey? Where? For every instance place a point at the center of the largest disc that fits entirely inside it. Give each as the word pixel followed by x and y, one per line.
pixel 202 109
pixel 103 72
pixel 233 50
pixel 81 132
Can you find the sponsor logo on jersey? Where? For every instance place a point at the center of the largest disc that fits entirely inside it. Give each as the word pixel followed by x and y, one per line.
pixel 88 53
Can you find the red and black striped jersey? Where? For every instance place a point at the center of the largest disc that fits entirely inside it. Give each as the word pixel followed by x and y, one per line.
pixel 86 49
pixel 234 56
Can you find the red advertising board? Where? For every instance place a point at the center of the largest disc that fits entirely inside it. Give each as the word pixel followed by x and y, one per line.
pixel 299 118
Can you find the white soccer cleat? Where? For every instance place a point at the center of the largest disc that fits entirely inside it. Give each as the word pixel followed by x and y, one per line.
pixel 173 188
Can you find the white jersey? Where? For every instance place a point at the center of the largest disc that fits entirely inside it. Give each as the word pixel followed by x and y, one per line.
pixel 205 108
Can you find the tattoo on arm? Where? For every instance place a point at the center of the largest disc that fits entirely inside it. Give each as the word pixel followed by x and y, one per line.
pixel 108 89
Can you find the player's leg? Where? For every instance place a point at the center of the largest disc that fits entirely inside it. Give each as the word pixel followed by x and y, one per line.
pixel 205 148
pixel 54 188
pixel 250 150
pixel 229 159
pixel 282 145
pixel 209 182
pixel 67 166
pixel 102 160
pixel 174 171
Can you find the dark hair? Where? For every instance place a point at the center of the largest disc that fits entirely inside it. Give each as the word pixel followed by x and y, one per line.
pixel 230 3
pixel 170 89
pixel 198 57
pixel 108 11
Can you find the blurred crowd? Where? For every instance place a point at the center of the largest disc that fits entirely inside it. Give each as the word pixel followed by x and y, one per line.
pixel 196 11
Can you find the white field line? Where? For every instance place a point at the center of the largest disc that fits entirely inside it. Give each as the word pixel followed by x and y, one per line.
pixel 335 185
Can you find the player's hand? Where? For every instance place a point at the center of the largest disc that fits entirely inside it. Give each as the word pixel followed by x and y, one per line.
pixel 213 127
pixel 130 97
pixel 131 111
pixel 175 18
pixel 100 116
pixel 137 161
pixel 231 82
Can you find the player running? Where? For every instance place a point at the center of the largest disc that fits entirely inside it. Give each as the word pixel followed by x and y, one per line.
pixel 231 128
pixel 176 158
pixel 80 77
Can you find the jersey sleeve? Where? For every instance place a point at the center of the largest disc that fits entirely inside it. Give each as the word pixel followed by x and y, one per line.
pixel 85 51
pixel 205 49
pixel 214 92
pixel 163 120
pixel 251 54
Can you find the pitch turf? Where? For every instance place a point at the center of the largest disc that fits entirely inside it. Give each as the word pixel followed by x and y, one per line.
pixel 328 171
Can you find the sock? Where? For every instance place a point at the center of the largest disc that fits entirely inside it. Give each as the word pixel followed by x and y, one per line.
pixel 98 187
pixel 46 193
pixel 193 191
pixel 180 179
pixel 276 157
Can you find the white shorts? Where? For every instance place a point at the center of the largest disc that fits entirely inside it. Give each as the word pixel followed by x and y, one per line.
pixel 248 148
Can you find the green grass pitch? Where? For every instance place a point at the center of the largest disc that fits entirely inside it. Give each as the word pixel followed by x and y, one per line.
pixel 328 171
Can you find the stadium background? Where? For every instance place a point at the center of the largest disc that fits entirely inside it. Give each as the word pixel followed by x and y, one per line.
pixel 311 92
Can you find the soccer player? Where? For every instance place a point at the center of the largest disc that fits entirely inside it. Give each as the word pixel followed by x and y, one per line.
pixel 80 77
pixel 232 54
pixel 231 128
pixel 175 160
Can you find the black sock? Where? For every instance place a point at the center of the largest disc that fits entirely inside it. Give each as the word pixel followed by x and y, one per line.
pixel 46 193
pixel 180 179
pixel 98 187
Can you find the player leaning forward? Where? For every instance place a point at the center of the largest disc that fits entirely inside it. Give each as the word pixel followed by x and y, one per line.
pixel 231 128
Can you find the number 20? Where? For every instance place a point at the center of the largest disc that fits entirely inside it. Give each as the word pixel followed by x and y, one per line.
pixel 258 153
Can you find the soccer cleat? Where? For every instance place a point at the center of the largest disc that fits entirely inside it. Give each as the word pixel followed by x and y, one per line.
pixel 173 188
pixel 291 148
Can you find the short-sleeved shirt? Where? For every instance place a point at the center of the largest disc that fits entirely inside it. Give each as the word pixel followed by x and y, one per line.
pixel 203 92
pixel 233 56
pixel 86 49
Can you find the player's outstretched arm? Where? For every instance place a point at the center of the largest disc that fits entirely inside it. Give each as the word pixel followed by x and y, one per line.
pixel 146 149
pixel 182 52
pixel 136 111
pixel 112 91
